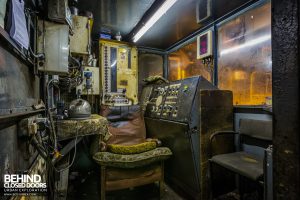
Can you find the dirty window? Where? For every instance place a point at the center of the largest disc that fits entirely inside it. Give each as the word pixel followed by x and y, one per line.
pixel 244 57
pixel 183 63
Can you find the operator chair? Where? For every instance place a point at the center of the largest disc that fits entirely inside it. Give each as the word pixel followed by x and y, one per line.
pixel 127 166
pixel 250 165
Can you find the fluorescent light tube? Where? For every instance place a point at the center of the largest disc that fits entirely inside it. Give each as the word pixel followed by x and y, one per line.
pixel 247 44
pixel 160 12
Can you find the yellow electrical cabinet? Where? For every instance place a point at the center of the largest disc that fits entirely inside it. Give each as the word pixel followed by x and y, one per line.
pixel 119 73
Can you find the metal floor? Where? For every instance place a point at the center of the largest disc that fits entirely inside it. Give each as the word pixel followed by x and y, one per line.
pixel 87 187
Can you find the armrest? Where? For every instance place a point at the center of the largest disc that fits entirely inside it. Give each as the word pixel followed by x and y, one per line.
pixel 218 133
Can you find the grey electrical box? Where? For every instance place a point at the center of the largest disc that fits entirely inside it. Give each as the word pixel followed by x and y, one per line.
pixel 53 41
pixel 58 11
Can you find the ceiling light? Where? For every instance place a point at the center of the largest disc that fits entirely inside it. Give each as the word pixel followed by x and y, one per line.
pixel 247 44
pixel 160 12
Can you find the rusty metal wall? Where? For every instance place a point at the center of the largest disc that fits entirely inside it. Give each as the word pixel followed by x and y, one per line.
pixel 286 138
pixel 19 90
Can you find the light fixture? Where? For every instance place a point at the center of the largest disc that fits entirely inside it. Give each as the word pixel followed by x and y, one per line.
pixel 247 44
pixel 155 17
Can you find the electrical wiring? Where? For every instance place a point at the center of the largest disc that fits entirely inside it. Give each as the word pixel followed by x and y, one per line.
pixel 53 131
pixel 74 78
pixel 51 169
pixel 46 152
pixel 38 142
pixel 39 147
pixel 28 13
pixel 40 55
pixel 74 156
pixel 52 81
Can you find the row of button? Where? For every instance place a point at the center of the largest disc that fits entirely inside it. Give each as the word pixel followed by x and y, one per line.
pixel 106 71
pixel 166 109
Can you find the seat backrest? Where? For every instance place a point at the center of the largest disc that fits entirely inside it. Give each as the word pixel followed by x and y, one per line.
pixel 120 113
pixel 256 132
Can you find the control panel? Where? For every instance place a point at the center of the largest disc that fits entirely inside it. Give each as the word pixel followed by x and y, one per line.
pixel 119 73
pixel 116 99
pixel 170 107
pixel 174 101
pixel 90 83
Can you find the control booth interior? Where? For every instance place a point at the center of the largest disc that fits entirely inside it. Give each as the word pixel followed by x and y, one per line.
pixel 149 99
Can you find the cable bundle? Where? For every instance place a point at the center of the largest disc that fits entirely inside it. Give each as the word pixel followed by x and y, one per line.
pixel 74 78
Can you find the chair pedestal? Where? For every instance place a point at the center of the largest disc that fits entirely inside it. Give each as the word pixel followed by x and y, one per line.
pixel 121 178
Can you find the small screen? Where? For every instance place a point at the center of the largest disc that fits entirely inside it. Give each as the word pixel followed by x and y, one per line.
pixel 203 44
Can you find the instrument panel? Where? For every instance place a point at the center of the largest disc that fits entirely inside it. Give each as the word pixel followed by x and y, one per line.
pixel 119 73
pixel 174 101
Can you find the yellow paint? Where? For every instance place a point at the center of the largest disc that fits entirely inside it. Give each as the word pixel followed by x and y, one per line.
pixel 124 74
pixel 178 73
pixel 183 74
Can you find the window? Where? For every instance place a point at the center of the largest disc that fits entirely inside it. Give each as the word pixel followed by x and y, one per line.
pixel 149 65
pixel 183 63
pixel 244 56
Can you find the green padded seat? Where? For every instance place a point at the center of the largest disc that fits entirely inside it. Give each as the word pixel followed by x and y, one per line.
pixel 131 149
pixel 133 160
pixel 245 164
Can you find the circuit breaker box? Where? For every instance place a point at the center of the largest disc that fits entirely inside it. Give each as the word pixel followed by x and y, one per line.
pixel 119 73
pixel 53 41
pixel 80 40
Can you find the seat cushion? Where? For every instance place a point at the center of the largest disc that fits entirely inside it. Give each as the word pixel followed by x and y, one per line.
pixel 132 160
pixel 242 163
pixel 131 149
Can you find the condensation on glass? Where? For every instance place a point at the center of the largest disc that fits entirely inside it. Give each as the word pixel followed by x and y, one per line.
pixel 183 63
pixel 244 57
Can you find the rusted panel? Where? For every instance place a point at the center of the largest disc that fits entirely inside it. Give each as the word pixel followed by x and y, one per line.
pixel 8 156
pixel 19 88
pixel 285 53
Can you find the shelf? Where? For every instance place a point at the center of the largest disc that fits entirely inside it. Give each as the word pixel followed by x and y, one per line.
pixel 15 49
pixel 9 119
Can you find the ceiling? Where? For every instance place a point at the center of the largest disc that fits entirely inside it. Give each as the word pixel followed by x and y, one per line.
pixel 177 23
pixel 127 16
pixel 115 15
